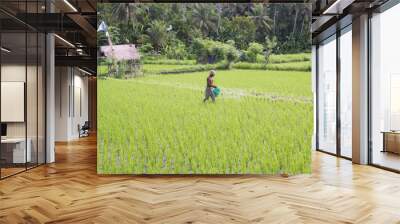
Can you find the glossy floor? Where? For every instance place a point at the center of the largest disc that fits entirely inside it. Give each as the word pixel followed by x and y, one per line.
pixel 70 191
pixel 387 159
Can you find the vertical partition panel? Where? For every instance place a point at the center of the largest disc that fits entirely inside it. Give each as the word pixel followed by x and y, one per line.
pixel 15 150
pixel 346 92
pixel 2 161
pixel 41 107
pixel 327 95
pixel 32 97
pixel 22 77
pixel 385 89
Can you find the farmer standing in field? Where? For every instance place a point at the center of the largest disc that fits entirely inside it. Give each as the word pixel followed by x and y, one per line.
pixel 210 87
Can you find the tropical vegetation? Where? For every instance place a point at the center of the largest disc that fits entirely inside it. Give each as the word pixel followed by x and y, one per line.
pixel 178 30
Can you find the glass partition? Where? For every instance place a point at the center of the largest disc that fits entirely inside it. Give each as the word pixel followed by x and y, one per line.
pixel 327 95
pixel 14 153
pixel 385 89
pixel 22 88
pixel 41 107
pixel 346 92
pixel 31 100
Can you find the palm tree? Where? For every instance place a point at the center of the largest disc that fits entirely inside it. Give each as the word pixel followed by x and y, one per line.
pixel 141 13
pixel 259 14
pixel 205 16
pixel 260 17
pixel 275 17
pixel 157 34
pixel 305 14
pixel 123 11
pixel 297 10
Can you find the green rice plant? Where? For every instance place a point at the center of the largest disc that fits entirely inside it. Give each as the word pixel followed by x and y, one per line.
pixel 285 58
pixel 159 68
pixel 290 66
pixel 249 82
pixel 179 69
pixel 102 69
pixel 159 125
pixel 249 65
pixel 169 62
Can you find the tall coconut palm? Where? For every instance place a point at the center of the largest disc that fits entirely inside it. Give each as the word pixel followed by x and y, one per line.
pixel 260 16
pixel 205 17
pixel 157 34
pixel 296 13
pixel 123 11
pixel 306 15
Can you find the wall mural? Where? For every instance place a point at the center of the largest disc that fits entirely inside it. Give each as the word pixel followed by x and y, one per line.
pixel 204 88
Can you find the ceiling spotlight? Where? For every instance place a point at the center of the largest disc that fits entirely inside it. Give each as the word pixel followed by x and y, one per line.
pixel 337 7
pixel 5 50
pixel 86 72
pixel 79 51
pixel 70 5
pixel 65 41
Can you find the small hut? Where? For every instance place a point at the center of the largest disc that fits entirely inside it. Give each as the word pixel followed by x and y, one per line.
pixel 127 58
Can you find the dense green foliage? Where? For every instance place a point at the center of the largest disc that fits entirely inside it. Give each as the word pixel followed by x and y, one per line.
pixel 284 58
pixel 161 65
pixel 209 51
pixel 172 29
pixel 158 124
pixel 290 66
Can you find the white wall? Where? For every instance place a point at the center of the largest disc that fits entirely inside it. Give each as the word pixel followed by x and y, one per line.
pixel 71 87
pixel 81 88
pixel 62 82
pixel 17 73
pixel 33 126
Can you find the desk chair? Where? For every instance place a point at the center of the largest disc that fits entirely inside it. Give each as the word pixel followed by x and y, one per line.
pixel 84 130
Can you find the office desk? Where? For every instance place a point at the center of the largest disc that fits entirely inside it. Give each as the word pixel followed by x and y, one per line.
pixel 391 141
pixel 13 150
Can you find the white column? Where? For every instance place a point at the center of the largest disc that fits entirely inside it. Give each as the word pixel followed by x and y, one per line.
pixel 360 90
pixel 50 94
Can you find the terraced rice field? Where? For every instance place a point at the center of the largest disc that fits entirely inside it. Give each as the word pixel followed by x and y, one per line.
pixel 261 124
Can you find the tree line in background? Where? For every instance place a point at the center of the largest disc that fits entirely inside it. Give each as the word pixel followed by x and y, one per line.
pixel 209 33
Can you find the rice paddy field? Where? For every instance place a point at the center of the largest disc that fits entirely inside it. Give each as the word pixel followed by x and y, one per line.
pixel 158 124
